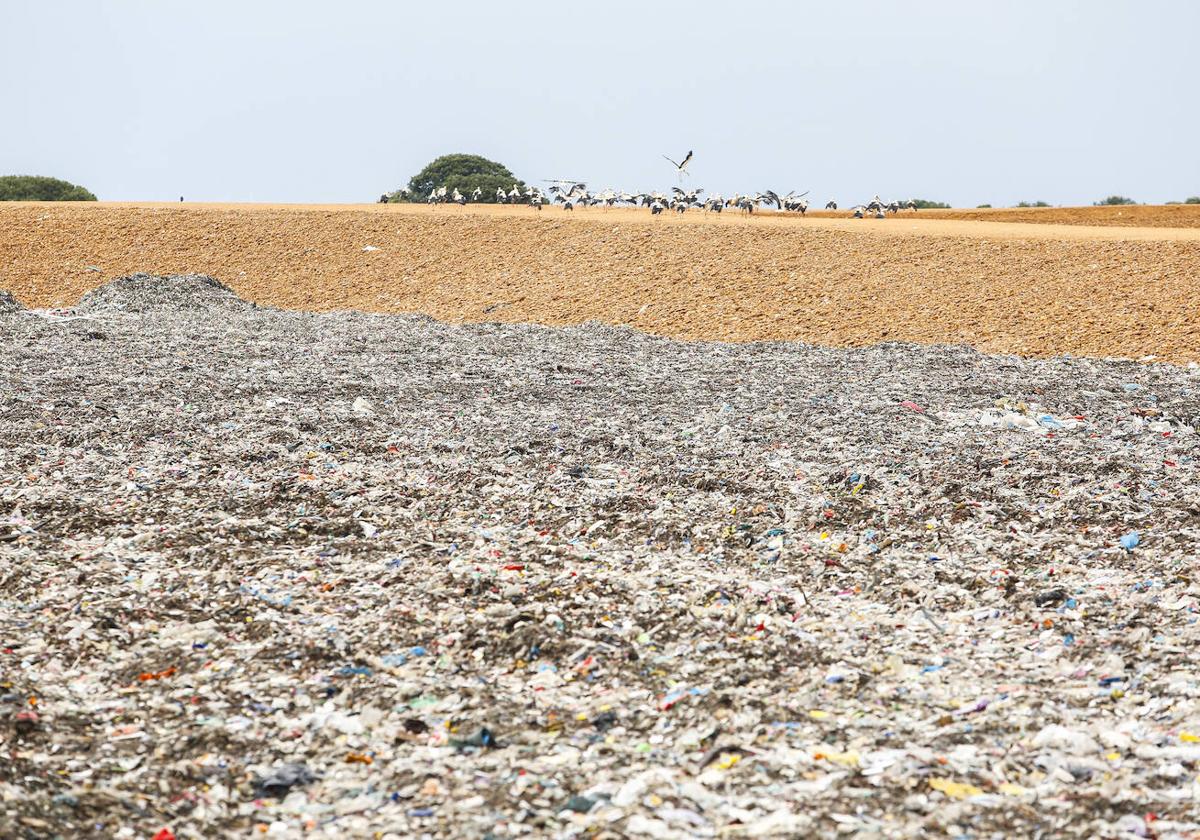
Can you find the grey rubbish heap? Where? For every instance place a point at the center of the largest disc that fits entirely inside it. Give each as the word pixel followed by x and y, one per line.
pixel 293 575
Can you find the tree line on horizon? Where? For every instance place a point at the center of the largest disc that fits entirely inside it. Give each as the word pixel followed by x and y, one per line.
pixel 464 172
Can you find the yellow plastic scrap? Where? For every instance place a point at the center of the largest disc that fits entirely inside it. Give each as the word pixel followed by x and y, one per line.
pixel 1189 737
pixel 818 714
pixel 728 760
pixel 1011 789
pixel 953 789
pixel 846 759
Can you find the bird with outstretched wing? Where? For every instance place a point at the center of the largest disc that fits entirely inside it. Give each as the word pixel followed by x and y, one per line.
pixel 681 165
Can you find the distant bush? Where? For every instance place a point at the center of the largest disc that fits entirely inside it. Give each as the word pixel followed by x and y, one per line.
pixel 983 207
pixel 1113 201
pixel 40 188
pixel 459 172
pixel 925 204
pixel 1192 199
pixel 1032 204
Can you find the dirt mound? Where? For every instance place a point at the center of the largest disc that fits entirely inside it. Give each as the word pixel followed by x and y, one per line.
pixel 8 303
pixel 149 292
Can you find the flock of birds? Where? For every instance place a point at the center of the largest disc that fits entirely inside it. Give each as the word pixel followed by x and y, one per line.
pixel 572 194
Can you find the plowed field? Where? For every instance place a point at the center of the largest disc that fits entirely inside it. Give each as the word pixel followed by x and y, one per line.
pixel 1028 288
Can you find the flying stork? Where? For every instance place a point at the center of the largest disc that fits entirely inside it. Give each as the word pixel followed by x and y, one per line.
pixel 681 165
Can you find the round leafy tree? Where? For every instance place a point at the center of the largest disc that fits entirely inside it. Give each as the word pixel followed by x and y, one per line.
pixel 39 188
pixel 463 173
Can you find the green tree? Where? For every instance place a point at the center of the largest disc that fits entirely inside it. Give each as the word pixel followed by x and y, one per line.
pixel 459 172
pixel 926 204
pixel 1192 199
pixel 40 188
pixel 1114 200
pixel 983 207
pixel 1032 204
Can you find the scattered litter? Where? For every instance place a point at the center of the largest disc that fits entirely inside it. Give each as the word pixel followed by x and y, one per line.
pixel 280 573
pixel 279 782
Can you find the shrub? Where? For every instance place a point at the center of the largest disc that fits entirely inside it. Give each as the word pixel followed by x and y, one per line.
pixel 983 207
pixel 926 204
pixel 40 188
pixel 1032 204
pixel 1114 201
pixel 459 172
pixel 1192 199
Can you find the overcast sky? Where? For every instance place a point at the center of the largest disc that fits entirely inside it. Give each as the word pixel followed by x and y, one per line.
pixel 316 101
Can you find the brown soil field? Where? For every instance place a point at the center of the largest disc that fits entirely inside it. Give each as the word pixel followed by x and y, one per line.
pixel 1150 215
pixel 1023 287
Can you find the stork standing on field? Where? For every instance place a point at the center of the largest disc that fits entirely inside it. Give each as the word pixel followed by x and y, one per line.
pixel 791 201
pixel 477 193
pixel 684 200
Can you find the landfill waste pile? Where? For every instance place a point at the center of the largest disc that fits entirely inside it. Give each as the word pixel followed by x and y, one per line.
pixel 8 303
pixel 279 574
pixel 148 293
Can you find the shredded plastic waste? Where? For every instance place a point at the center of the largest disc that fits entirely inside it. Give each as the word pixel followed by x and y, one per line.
pixel 288 574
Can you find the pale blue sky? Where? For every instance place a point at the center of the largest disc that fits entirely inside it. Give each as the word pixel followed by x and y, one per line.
pixel 299 101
